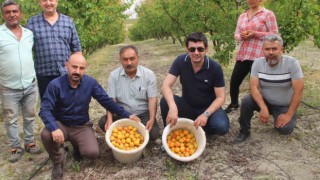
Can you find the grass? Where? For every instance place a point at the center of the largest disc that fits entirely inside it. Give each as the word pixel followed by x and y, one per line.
pixel 158 55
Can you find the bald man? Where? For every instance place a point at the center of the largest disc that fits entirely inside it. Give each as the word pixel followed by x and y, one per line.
pixel 64 111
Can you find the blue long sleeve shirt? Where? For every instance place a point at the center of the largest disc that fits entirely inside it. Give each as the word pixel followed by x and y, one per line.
pixel 70 105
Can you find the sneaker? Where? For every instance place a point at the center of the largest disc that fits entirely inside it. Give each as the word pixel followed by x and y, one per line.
pixel 57 171
pixel 241 137
pixel 32 148
pixel 231 108
pixel 16 154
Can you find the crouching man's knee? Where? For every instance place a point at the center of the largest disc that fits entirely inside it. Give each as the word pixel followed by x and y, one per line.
pixel 285 130
pixel 91 154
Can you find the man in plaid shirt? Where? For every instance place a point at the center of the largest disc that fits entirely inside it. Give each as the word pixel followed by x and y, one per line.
pixel 56 38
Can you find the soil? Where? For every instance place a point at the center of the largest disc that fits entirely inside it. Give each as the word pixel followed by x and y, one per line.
pixel 265 155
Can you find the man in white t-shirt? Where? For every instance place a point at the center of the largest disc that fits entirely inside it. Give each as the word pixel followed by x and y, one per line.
pixel 276 87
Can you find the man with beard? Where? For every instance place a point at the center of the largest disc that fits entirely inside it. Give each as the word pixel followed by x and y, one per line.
pixel 276 87
pixel 134 87
pixel 64 111
pixel 203 89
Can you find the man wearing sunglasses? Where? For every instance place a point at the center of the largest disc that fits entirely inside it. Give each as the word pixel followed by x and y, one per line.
pixel 203 89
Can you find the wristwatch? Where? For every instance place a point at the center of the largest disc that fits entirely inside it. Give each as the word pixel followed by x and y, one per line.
pixel 206 113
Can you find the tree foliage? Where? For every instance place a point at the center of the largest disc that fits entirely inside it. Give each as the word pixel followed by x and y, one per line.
pixel 99 22
pixel 297 20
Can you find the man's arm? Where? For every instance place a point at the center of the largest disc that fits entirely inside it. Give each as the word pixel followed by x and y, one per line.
pixel 109 118
pixel 215 105
pixel 152 112
pixel 46 109
pixel 257 96
pixel 167 93
pixel 285 118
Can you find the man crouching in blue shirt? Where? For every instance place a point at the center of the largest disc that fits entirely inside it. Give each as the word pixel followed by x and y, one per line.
pixel 64 111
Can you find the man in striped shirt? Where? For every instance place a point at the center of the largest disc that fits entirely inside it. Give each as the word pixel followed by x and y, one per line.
pixel 276 87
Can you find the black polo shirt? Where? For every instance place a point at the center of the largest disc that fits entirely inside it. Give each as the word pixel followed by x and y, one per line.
pixel 198 88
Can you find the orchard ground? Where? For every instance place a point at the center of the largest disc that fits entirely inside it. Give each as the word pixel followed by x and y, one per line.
pixel 265 155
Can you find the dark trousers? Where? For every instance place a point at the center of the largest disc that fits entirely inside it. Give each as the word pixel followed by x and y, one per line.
pixel 43 82
pixel 247 108
pixel 81 137
pixel 218 122
pixel 144 117
pixel 240 71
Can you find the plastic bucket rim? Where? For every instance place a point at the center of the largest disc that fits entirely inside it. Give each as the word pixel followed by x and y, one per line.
pixel 199 150
pixel 133 151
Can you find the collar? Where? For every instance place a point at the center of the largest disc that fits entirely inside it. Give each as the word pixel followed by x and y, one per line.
pixel 123 72
pixel 205 64
pixel 68 81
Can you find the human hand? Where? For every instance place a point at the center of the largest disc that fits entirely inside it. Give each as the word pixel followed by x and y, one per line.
pixel 149 125
pixel 172 116
pixel 264 115
pixel 57 136
pixel 250 34
pixel 200 121
pixel 243 35
pixel 107 125
pixel 282 120
pixel 134 118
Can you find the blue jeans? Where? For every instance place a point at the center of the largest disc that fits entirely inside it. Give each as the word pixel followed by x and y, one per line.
pixel 247 108
pixel 218 122
pixel 11 101
pixel 43 82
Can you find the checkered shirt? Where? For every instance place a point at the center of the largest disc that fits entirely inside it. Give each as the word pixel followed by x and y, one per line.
pixel 53 44
pixel 263 23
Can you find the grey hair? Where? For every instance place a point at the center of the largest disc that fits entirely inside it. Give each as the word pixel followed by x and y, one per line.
pixel 273 38
pixel 8 3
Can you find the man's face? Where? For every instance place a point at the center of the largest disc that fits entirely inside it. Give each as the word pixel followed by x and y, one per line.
pixel 129 60
pixel 76 67
pixel 48 6
pixel 11 15
pixel 197 51
pixel 272 52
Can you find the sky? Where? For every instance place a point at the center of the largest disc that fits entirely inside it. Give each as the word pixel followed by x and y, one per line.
pixel 131 12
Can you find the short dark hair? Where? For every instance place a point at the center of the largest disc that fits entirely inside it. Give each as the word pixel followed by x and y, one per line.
pixel 196 37
pixel 8 3
pixel 124 48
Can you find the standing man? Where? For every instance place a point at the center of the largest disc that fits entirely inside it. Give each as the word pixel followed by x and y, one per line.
pixel 133 87
pixel 18 88
pixel 56 38
pixel 64 111
pixel 276 87
pixel 203 89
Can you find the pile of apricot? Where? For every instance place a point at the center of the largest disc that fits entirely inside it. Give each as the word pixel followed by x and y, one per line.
pixel 182 142
pixel 126 138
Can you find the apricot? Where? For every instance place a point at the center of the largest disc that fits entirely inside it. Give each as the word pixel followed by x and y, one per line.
pixel 126 138
pixel 182 142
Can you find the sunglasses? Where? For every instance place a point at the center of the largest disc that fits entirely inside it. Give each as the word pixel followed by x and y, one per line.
pixel 193 49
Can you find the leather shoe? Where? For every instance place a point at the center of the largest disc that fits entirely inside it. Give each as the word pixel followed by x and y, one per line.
pixel 76 154
pixel 241 137
pixel 232 107
pixel 57 171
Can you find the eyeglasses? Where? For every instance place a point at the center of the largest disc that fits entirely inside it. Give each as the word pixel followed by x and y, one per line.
pixel 193 49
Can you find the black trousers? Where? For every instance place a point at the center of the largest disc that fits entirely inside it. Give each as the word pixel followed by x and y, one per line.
pixel 240 71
